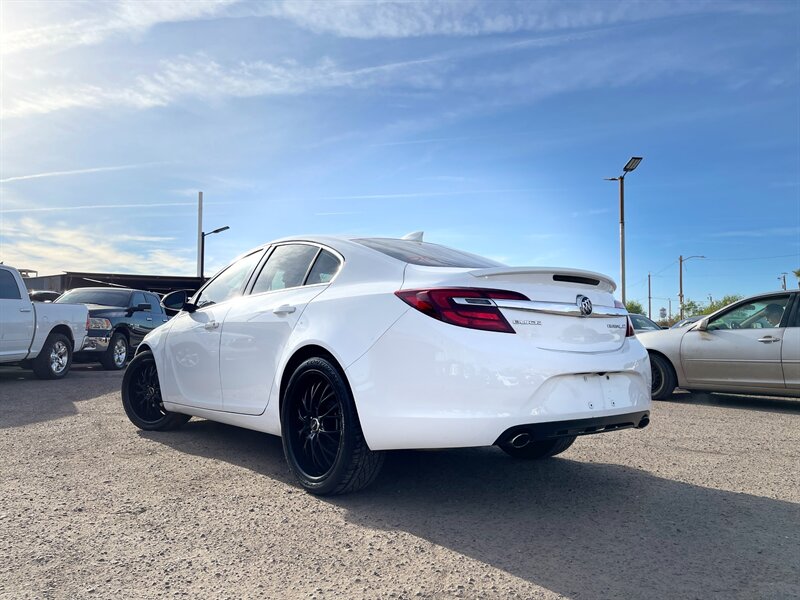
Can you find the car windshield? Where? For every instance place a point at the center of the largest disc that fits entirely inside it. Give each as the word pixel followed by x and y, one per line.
pixel 426 254
pixel 102 297
pixel 642 322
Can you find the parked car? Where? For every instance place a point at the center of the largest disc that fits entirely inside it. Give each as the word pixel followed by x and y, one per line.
pixel 351 346
pixel 751 346
pixel 642 323
pixel 34 335
pixel 43 295
pixel 119 318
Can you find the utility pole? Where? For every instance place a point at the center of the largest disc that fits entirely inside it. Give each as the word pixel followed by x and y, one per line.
pixel 782 277
pixel 200 234
pixel 649 299
pixel 682 260
pixel 670 307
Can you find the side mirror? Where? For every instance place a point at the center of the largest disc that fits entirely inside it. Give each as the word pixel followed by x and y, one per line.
pixel 702 325
pixel 138 308
pixel 178 301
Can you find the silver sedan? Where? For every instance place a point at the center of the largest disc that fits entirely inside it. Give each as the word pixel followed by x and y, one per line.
pixel 751 346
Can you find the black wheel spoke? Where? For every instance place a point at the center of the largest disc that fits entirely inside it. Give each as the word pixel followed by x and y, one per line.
pixel 316 423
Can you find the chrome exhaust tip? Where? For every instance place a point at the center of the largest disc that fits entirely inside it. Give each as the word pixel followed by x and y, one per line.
pixel 520 440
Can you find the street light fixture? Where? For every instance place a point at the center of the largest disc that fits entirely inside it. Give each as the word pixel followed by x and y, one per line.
pixel 629 166
pixel 203 247
pixel 682 260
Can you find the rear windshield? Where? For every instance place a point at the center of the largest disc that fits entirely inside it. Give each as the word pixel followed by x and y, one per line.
pixel 102 297
pixel 426 254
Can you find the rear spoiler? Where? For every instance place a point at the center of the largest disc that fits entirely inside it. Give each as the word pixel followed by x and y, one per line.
pixel 587 278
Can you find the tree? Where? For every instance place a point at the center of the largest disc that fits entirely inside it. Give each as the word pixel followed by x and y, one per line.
pixel 634 307
pixel 692 308
pixel 797 274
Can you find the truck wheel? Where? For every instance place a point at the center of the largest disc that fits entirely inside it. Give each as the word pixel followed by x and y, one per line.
pixel 116 356
pixel 55 357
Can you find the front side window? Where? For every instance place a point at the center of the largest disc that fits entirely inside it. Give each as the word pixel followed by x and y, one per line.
pixel 763 313
pixel 138 298
pixel 9 290
pixel 229 283
pixel 286 268
pixel 155 305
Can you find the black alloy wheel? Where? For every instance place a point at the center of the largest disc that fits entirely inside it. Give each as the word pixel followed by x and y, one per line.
pixel 141 396
pixel 322 437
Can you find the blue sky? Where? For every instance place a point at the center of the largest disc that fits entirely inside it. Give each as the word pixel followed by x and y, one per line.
pixel 490 125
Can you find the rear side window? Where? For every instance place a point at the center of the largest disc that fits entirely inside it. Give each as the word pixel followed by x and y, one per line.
pixel 286 267
pixel 426 254
pixel 325 268
pixel 9 290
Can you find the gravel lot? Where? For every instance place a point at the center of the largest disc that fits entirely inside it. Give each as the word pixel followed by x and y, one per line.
pixel 702 504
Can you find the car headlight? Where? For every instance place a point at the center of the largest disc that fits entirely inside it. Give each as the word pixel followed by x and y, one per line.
pixel 97 323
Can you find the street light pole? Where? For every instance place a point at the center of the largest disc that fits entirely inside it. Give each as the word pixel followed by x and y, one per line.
pixel 682 260
pixel 649 299
pixel 203 247
pixel 629 166
pixel 782 277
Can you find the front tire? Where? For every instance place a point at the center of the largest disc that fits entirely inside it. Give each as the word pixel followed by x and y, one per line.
pixel 141 397
pixel 540 449
pixel 664 379
pixel 116 356
pixel 322 437
pixel 55 357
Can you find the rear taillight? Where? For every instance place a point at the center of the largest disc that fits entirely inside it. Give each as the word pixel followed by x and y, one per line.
pixel 629 332
pixel 465 307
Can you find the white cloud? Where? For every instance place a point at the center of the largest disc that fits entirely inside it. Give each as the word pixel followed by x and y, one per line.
pixel 73 172
pixel 30 244
pixel 370 19
pixel 106 20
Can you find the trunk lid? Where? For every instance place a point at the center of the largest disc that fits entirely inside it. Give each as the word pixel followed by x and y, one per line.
pixel 552 318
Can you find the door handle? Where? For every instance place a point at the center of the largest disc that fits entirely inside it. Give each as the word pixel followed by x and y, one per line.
pixel 148 318
pixel 164 320
pixel 768 339
pixel 211 325
pixel 284 309
pixel 24 310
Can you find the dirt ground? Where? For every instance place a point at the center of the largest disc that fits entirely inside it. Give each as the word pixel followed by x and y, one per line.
pixel 702 504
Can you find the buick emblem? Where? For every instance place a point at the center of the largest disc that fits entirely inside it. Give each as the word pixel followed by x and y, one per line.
pixel 585 305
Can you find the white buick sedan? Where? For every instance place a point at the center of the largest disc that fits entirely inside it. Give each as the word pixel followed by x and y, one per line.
pixel 347 347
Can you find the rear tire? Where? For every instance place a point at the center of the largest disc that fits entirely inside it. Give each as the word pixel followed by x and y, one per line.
pixel 322 437
pixel 540 449
pixel 664 378
pixel 55 357
pixel 141 397
pixel 116 356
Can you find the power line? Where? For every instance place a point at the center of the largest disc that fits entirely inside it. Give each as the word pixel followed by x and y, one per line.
pixel 796 254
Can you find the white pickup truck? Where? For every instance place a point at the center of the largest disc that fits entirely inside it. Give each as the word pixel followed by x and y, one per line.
pixel 38 335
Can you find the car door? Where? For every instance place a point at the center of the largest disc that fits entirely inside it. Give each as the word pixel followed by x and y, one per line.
pixel 259 324
pixel 741 347
pixel 790 350
pixel 191 349
pixel 16 318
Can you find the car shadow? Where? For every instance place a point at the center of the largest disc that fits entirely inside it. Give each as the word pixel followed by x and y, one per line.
pixel 25 399
pixel 584 530
pixel 721 399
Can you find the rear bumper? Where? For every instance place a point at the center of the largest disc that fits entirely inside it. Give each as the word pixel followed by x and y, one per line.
pixel 556 429
pixel 427 384
pixel 94 344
